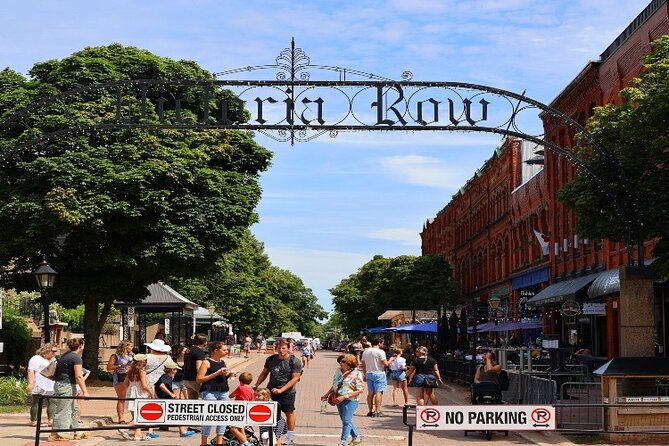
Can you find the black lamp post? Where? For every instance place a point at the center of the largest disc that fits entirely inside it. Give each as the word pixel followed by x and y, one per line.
pixel 45 276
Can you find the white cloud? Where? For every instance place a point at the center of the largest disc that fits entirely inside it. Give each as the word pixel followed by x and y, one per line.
pixel 425 171
pixel 407 236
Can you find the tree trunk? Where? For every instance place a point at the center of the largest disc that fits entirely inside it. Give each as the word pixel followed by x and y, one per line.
pixel 94 320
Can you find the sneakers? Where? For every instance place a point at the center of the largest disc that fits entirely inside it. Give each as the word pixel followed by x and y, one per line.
pixel 355 442
pixel 81 435
pixel 56 437
pixel 379 414
pixel 290 442
pixel 142 438
pixel 187 434
pixel 153 435
pixel 370 414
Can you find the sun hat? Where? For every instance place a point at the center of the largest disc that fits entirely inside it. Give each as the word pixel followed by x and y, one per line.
pixel 158 345
pixel 172 365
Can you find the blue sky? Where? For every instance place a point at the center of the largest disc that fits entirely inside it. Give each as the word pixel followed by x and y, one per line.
pixel 331 204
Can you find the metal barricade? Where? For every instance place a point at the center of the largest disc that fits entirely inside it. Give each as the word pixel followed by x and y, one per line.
pixel 577 410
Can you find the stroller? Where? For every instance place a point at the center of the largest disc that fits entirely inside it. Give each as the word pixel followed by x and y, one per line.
pixel 486 393
pixel 230 440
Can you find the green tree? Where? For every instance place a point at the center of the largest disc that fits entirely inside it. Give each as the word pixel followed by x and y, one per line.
pixel 400 283
pixel 635 133
pixel 115 211
pixel 254 295
pixel 17 338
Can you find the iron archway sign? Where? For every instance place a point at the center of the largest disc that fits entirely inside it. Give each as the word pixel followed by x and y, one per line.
pixel 296 106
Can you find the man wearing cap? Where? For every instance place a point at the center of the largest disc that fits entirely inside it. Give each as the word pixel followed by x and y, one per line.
pixel 163 390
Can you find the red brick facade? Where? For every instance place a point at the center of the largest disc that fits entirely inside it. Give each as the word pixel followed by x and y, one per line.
pixel 487 231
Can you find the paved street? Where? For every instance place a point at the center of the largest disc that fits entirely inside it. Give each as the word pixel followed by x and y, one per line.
pixel 313 428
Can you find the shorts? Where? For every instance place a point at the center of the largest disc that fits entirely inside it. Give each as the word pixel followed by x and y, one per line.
pixel 419 379
pixel 118 378
pixel 398 375
pixel 178 385
pixel 286 401
pixel 376 381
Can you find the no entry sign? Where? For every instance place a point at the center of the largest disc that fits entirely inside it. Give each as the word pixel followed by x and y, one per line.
pixel 205 412
pixel 492 417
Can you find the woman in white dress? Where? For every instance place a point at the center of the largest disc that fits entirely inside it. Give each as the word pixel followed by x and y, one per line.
pixel 38 384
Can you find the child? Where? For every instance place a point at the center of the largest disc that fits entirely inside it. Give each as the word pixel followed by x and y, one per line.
pixel 243 392
pixel 264 394
pixel 138 387
pixel 163 390
pixel 306 354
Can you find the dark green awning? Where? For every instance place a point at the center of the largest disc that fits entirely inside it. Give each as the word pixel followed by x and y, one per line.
pixel 561 291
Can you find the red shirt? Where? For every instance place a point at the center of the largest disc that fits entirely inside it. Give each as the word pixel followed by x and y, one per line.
pixel 243 393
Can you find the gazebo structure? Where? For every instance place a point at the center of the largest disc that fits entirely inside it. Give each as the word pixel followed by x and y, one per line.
pixel 177 311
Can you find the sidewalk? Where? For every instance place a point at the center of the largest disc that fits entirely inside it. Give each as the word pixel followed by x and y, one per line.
pixel 313 427
pixel 15 429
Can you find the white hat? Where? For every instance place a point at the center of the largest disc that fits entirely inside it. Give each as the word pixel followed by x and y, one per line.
pixel 159 346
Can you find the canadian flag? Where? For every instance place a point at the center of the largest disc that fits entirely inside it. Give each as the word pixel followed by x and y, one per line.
pixel 543 241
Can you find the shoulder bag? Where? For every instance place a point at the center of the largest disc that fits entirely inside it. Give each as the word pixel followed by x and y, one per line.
pixel 49 371
pixel 334 393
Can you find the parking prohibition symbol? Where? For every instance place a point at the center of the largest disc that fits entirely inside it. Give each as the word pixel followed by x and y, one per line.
pixel 430 415
pixel 541 416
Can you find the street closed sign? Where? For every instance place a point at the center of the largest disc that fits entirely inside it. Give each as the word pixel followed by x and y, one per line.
pixel 492 417
pixel 205 412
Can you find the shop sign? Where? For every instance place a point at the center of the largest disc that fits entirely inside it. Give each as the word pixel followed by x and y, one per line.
pixel 594 308
pixel 570 308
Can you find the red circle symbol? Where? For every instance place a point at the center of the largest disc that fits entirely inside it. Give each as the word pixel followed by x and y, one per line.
pixel 151 411
pixel 260 413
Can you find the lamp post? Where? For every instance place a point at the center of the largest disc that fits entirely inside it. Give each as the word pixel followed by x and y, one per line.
pixel 45 276
pixel 212 310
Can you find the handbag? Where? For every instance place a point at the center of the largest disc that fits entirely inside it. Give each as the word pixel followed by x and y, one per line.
pixel 334 393
pixel 49 371
pixel 430 382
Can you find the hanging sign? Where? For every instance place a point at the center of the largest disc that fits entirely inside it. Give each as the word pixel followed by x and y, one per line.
pixel 570 308
pixel 208 413
pixel 131 316
pixel 490 417
pixel 594 308
pixel 167 326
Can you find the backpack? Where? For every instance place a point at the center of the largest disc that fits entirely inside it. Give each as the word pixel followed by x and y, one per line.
pixel 503 379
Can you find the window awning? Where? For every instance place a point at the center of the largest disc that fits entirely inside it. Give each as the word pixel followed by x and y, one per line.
pixel 561 291
pixel 608 282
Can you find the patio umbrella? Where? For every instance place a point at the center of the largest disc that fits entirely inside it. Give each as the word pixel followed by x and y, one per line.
pixel 453 330
pixel 443 333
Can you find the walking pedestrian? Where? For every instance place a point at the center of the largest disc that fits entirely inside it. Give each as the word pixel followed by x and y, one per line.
pixel 424 374
pixel 374 365
pixel 213 378
pixel 68 375
pixel 119 364
pixel 347 385
pixel 284 370
pixel 306 354
pixel 398 376
pixel 136 382
pixel 40 385
pixel 192 361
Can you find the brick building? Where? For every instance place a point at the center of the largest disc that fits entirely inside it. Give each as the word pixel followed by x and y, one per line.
pixel 512 243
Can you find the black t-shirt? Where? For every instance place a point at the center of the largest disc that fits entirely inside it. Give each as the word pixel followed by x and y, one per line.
pixel 160 393
pixel 281 370
pixel 194 354
pixel 65 367
pixel 219 383
pixel 424 366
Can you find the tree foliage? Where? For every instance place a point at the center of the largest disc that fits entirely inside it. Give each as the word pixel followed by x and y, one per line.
pixel 400 283
pixel 17 338
pixel 115 211
pixel 635 133
pixel 254 295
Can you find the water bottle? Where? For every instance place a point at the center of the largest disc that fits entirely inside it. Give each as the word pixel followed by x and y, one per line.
pixel 324 406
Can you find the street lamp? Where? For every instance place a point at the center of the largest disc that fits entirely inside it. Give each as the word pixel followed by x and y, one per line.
pixel 45 276
pixel 212 310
